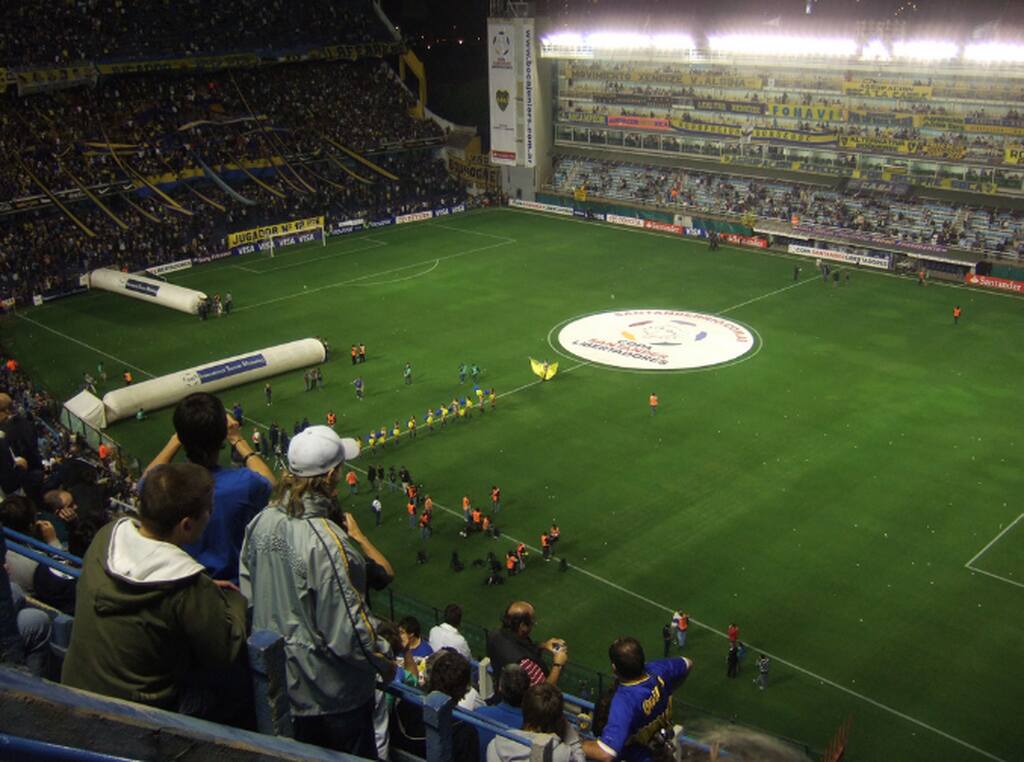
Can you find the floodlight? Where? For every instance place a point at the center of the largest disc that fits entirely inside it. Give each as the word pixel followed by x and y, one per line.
pixel 925 50
pixel 875 50
pixel 563 39
pixel 783 45
pixel 994 52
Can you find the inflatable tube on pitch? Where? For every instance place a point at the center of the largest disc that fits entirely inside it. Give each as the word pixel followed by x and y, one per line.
pixel 147 289
pixel 212 377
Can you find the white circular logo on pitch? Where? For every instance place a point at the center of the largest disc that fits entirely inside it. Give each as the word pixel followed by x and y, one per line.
pixel 656 339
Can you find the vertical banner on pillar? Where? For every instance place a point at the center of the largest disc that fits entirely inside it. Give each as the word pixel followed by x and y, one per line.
pixel 529 94
pixel 502 88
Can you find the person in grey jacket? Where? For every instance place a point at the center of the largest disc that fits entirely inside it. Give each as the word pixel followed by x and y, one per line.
pixel 544 726
pixel 304 573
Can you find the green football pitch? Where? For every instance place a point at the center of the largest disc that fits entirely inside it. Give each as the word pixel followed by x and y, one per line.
pixel 846 492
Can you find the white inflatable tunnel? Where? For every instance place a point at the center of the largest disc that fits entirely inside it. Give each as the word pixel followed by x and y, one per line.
pixel 147 289
pixel 89 408
pixel 212 377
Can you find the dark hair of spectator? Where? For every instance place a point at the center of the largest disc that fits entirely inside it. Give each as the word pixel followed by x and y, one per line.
pixel 411 625
pixel 513 682
pixel 201 423
pixel 453 614
pixel 18 513
pixel 389 631
pixel 173 492
pixel 448 672
pixel 627 656
pixel 542 709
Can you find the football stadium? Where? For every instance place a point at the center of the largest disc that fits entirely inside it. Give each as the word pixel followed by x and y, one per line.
pixel 665 413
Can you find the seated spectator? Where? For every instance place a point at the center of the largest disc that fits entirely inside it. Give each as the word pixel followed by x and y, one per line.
pixel 409 627
pixel 447 635
pixel 543 725
pixel 49 586
pixel 24 632
pixel 449 673
pixel 639 704
pixel 512 645
pixel 202 426
pixel 303 574
pixel 512 685
pixel 147 614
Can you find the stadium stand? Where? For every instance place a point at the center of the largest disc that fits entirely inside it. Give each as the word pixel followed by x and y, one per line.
pixel 986 231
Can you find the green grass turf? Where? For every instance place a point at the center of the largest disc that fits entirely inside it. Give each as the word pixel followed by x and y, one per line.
pixel 825 494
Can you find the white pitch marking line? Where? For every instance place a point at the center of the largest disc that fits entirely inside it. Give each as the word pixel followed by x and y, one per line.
pixel 344 252
pixel 90 347
pixel 407 277
pixel 996 576
pixel 374 275
pixel 765 296
pixel 470 232
pixel 992 542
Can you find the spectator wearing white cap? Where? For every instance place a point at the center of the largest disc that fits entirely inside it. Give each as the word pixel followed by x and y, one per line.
pixel 303 570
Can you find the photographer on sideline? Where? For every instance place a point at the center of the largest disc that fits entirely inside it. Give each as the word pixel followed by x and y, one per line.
pixel 303 571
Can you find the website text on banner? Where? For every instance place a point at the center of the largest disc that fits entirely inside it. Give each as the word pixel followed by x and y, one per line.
pixel 867 260
pixel 502 89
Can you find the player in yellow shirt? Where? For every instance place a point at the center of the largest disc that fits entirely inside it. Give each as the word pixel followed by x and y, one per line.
pixel 396 431
pixel 371 440
pixel 444 415
pixel 429 418
pixel 411 425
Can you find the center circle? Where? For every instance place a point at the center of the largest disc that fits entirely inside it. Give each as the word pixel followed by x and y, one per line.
pixel 656 339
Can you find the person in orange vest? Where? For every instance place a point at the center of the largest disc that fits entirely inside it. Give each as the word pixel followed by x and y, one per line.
pixel 103 451
pixel 653 400
pixel 362 352
pixel 355 354
pixel 465 508
pixel 425 530
pixel 12 365
pixel 485 525
pixel 476 517
pixel 921 275
pixel 127 375
pixel 414 494
pixel 331 418
pixel 681 623
pixel 545 545
pixel 554 533
pixel 353 482
pixel 410 508
pixel 495 498
pixel 956 314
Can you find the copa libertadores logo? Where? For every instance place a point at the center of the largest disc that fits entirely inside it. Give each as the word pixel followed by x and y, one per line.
pixel 656 339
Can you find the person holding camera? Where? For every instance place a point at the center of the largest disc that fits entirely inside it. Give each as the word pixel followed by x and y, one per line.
pixel 512 645
pixel 304 573
pixel 201 427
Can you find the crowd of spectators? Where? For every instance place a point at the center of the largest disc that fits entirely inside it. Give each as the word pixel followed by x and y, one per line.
pixel 44 33
pixel 299 111
pixel 932 222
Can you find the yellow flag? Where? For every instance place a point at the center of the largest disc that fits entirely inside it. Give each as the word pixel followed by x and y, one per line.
pixel 543 370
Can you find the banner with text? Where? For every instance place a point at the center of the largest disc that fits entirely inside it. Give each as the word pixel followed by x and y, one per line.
pixel 530 101
pixel 640 122
pixel 272 231
pixel 877 88
pixel 812 112
pixel 502 89
pixel 733 107
pixel 867 260
pixel 619 219
pixel 1002 284
pixel 537 206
